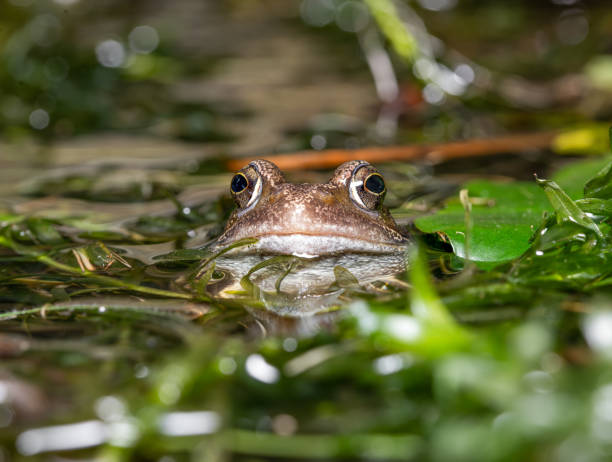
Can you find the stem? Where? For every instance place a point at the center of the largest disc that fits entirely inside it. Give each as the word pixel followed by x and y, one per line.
pixel 112 281
pixel 434 153
pixel 374 446
pixel 387 18
pixel 45 259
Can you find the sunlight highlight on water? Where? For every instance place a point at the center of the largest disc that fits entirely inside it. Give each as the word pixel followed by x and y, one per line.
pixel 403 327
pixel 110 408
pixel 62 437
pixel 189 423
pixel 123 432
pixel 389 364
pixel 258 368
pixel 597 329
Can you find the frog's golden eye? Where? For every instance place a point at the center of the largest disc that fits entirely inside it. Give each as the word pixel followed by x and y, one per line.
pixel 367 187
pixel 246 187
pixel 239 183
pixel 248 183
pixel 375 184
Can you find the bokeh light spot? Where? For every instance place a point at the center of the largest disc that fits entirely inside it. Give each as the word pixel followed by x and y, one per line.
pixel 466 72
pixel 258 368
pixel 318 142
pixel 143 39
pixel 39 119
pixel 389 364
pixel 66 2
pixel 597 328
pixel 572 27
pixel 110 53
pixel 317 13
pixel 227 366
pixel 284 424
pixel 290 344
pixel 110 408
pixel 433 94
pixel 352 16
pixel 437 5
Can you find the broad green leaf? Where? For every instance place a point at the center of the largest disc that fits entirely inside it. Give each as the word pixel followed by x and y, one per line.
pixel 504 217
pixel 566 208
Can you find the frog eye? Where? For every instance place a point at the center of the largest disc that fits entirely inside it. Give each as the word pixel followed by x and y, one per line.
pixel 239 183
pixel 367 187
pixel 375 184
pixel 246 187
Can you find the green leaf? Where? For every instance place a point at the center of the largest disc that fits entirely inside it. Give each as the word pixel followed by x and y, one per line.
pixel 600 186
pixel 184 255
pixel 424 300
pixel 286 261
pixel 565 207
pixel 344 278
pixel 323 446
pixel 596 206
pixel 504 217
pixel 564 256
pixel 431 331
pixel 44 231
pixel 199 284
pixel 572 177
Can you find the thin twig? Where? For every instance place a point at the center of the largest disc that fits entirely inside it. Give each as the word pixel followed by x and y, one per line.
pixel 434 153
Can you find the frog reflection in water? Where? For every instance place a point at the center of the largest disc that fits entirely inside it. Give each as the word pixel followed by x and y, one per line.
pixel 341 223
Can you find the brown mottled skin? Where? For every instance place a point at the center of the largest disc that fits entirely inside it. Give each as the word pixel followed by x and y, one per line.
pixel 310 209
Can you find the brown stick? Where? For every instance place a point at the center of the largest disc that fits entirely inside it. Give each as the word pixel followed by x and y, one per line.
pixel 433 153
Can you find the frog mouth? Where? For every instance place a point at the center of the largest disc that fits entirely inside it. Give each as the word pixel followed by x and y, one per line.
pixel 313 245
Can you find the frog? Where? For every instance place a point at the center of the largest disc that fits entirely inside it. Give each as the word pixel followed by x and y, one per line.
pixel 344 215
